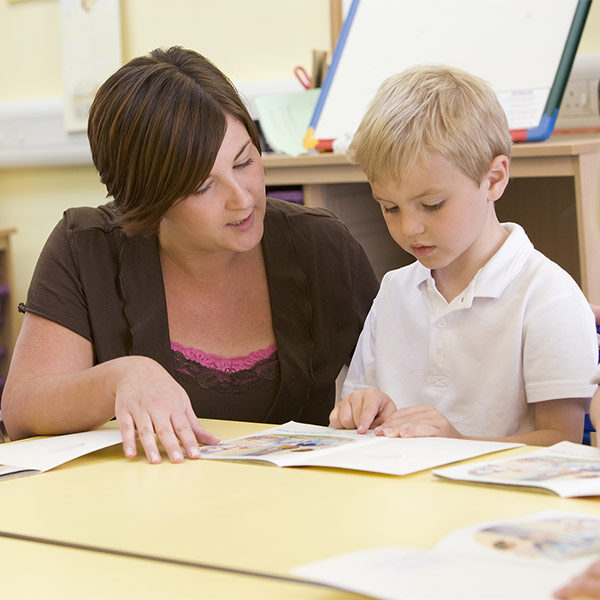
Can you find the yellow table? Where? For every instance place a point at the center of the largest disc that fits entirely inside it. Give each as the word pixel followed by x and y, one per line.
pixel 31 570
pixel 251 517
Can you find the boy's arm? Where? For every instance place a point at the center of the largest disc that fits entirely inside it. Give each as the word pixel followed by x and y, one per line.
pixel 555 421
pixel 560 353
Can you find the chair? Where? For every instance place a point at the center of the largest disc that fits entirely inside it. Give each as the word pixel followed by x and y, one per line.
pixel 588 431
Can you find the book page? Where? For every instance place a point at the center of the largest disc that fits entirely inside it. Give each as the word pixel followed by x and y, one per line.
pixel 9 472
pixel 286 445
pixel 46 453
pixel 545 538
pixel 298 444
pixel 461 566
pixel 565 468
pixel 402 456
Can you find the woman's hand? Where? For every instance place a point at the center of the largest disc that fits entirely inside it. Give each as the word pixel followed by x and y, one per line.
pixel 361 410
pixel 53 387
pixel 417 421
pixel 149 400
pixel 587 584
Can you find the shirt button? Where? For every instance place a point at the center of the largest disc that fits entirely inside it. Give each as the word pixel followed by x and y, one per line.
pixel 439 358
pixel 442 323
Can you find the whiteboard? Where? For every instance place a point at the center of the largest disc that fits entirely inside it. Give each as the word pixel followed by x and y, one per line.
pixel 523 48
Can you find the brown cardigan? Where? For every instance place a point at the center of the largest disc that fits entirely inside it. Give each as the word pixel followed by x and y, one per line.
pixel 108 288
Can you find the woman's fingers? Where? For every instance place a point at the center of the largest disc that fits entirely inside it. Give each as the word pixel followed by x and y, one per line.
pixel 202 436
pixel 148 400
pixel 127 428
pixel 180 430
pixel 145 429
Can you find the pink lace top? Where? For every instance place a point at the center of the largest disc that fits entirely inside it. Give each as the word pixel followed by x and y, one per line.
pixel 227 374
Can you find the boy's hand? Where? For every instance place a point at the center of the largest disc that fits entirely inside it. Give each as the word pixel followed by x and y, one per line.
pixel 362 409
pixel 417 421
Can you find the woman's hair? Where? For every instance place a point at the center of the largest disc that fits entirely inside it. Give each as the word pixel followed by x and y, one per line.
pixel 155 128
pixel 431 109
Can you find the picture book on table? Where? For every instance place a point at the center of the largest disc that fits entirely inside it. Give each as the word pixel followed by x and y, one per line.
pixel 298 444
pixel 526 557
pixel 566 469
pixel 28 457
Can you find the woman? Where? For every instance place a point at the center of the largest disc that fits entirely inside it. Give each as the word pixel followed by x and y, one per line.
pixel 190 294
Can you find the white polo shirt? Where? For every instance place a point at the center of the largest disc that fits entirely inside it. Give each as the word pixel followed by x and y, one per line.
pixel 521 332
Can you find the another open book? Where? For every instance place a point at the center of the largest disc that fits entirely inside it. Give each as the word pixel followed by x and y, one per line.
pixel 38 455
pixel 528 557
pixel 565 468
pixel 298 444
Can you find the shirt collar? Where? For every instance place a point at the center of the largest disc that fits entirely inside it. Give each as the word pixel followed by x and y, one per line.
pixel 497 274
pixel 494 277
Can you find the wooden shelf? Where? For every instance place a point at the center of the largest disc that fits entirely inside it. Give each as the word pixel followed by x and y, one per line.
pixel 553 193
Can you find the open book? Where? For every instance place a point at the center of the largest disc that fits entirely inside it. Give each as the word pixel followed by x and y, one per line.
pixel 28 457
pixel 565 468
pixel 528 557
pixel 299 444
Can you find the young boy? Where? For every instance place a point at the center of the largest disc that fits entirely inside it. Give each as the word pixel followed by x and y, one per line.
pixel 481 337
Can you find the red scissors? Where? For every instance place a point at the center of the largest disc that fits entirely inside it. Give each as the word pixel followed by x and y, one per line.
pixel 303 77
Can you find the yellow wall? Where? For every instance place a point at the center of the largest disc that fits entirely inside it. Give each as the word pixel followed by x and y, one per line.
pixel 590 40
pixel 248 39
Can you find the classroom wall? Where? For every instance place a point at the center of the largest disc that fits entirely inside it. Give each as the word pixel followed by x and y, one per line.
pixel 250 41
pixel 590 40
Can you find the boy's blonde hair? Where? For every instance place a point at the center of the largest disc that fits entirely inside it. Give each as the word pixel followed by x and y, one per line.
pixel 431 109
